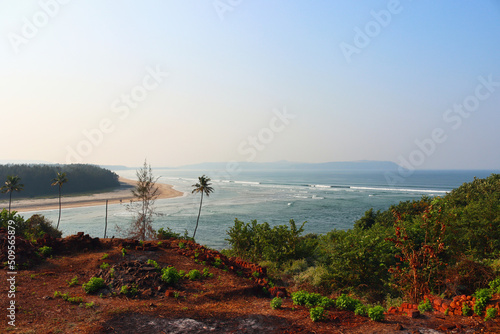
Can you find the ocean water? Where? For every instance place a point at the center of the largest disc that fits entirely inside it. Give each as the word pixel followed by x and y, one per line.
pixel 325 199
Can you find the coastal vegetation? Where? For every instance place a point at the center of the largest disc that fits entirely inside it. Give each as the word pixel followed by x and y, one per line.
pixel 37 179
pixel 446 246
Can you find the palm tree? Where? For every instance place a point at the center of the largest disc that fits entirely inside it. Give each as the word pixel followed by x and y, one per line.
pixel 203 187
pixel 59 181
pixel 12 184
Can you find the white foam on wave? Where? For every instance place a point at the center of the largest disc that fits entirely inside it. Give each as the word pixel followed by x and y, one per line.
pixel 402 190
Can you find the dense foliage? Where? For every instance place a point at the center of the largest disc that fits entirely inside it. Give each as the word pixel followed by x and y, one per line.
pixel 446 245
pixel 31 229
pixel 37 179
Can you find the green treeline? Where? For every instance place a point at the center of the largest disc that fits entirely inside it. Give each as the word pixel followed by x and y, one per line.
pixel 446 245
pixel 37 179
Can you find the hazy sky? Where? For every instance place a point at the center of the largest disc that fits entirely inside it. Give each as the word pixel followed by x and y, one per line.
pixel 184 81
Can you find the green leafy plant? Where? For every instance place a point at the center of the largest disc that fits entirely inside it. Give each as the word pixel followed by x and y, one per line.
pixel 344 302
pixel 495 285
pixel 75 300
pixel 104 266
pixel 207 273
pixel 317 314
pixel 112 273
pixel 89 305
pixel 104 256
pixel 361 310
pixel 447 311
pixel 217 263
pixel 194 275
pixel 326 302
pixel 154 264
pixel 466 310
pixel 73 282
pixel 255 274
pixel 93 285
pixel 45 251
pixel 129 291
pixel 124 252
pixel 425 306
pixel 480 306
pixel 170 275
pixel 182 245
pixel 376 313
pixel 491 314
pixel 276 303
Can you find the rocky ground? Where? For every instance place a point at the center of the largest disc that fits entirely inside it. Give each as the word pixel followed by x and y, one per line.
pixel 230 300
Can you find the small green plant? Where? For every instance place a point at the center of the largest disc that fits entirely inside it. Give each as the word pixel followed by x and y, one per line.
pixel 276 303
pixel 124 252
pixel 45 251
pixel 344 302
pixel 317 314
pixel 104 256
pixel 93 285
pixel 326 302
pixel 480 306
pixel 217 263
pixel 425 306
pixel 485 294
pixel 129 291
pixel 73 282
pixel 447 311
pixel 491 314
pixel 170 275
pixel 207 273
pixel 75 300
pixel 194 274
pixel 176 295
pixel 182 245
pixel 376 313
pixel 154 264
pixel 255 274
pixel 495 285
pixel 361 310
pixel 466 310
pixel 89 305
pixel 112 273
pixel 104 266
pixel 159 243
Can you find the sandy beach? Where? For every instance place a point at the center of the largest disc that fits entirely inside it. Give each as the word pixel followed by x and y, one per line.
pixel 121 195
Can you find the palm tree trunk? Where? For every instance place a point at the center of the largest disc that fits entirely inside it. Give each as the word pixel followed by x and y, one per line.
pixel 10 200
pixel 59 208
pixel 199 212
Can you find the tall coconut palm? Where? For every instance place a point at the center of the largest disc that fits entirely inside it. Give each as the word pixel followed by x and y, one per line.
pixel 12 184
pixel 203 187
pixel 59 181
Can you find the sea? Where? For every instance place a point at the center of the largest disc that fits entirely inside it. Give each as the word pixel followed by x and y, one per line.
pixel 325 199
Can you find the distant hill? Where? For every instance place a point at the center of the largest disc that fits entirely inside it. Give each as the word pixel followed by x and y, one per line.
pixel 282 165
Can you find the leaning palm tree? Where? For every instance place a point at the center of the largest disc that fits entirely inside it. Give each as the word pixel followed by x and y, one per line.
pixel 12 184
pixel 59 181
pixel 203 187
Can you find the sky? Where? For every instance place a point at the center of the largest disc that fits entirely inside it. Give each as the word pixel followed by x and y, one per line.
pixel 180 82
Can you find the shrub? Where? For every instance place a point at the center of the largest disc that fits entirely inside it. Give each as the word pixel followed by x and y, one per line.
pixel 306 298
pixel 495 285
pixel 93 285
pixel 480 306
pixel 194 275
pixel 344 302
pixel 326 302
pixel 317 314
pixel 45 251
pixel 170 275
pixel 207 273
pixel 276 303
pixel 491 314
pixel 128 290
pixel 361 310
pixel 466 310
pixel 485 294
pixel 376 313
pixel 425 306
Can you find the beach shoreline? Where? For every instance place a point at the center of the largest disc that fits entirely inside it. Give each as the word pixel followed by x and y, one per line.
pixel 121 195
